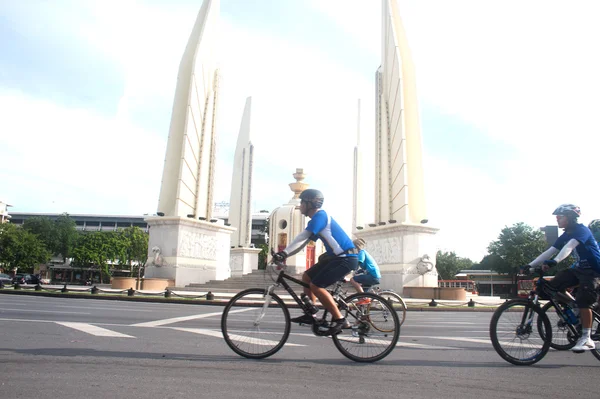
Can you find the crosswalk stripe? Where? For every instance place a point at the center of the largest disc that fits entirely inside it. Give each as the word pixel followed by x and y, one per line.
pixel 235 337
pixel 163 322
pixel 94 330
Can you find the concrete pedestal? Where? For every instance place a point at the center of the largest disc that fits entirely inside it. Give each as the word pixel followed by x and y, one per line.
pixel 243 261
pixel 187 251
pixel 405 254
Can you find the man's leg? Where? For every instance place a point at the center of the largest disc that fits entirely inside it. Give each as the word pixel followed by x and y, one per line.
pixel 306 279
pixel 587 296
pixel 327 301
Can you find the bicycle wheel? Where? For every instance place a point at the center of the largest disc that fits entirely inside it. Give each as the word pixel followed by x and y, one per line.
pixel 562 336
pixel 364 342
pixel 397 303
pixel 515 334
pixel 255 325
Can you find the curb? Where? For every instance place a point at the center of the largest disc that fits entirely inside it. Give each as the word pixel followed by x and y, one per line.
pixel 196 301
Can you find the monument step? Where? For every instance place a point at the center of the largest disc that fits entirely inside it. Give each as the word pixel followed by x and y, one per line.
pixel 255 279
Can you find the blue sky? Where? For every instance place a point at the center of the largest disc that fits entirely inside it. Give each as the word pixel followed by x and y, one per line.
pixel 508 98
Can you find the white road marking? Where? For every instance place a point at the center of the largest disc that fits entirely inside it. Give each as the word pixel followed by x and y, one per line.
pixel 460 339
pixel 163 322
pixel 424 346
pixel 235 337
pixel 94 330
pixel 42 311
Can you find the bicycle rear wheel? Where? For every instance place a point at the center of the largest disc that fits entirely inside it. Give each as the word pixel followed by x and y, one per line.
pixel 397 303
pixel 255 324
pixel 365 342
pixel 562 336
pixel 515 332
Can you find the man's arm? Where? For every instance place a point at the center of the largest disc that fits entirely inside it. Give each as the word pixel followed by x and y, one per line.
pixel 298 243
pixel 544 256
pixel 566 250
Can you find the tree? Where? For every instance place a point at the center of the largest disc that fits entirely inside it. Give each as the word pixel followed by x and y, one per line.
pixel 135 245
pixel 66 236
pixel 21 249
pixel 44 229
pixel 97 249
pixel 448 264
pixel 516 246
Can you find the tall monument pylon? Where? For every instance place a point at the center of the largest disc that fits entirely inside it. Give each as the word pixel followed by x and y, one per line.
pixel 243 258
pixel 188 173
pixel 399 240
pixel 186 245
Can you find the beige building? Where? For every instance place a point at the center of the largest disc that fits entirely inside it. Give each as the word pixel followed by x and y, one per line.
pixel 4 216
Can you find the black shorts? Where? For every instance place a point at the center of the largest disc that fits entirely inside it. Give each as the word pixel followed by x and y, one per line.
pixel 323 274
pixel 588 281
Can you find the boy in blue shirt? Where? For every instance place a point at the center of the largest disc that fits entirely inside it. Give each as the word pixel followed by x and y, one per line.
pixel 585 272
pixel 368 273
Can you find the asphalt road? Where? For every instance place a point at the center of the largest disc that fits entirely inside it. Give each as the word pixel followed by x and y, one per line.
pixel 62 347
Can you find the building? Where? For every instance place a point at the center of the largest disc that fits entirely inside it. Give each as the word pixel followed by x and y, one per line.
pixel 90 222
pixel 4 216
pixel 488 282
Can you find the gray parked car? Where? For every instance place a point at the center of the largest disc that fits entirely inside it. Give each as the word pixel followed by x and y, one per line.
pixel 5 278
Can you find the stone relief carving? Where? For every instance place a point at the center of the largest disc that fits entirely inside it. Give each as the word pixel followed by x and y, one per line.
pixel 425 266
pixel 158 260
pixel 197 245
pixel 383 249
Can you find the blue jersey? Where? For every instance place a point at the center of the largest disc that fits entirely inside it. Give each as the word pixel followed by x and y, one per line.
pixel 587 253
pixel 333 236
pixel 366 262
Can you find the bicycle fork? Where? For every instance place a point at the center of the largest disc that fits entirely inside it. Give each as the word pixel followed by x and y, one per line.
pixel 265 305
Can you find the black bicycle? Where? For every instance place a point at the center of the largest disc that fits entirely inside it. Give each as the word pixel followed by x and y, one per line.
pixel 256 322
pixel 522 331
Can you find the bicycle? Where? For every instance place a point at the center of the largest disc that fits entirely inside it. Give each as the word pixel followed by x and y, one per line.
pixel 256 322
pixel 522 333
pixel 392 297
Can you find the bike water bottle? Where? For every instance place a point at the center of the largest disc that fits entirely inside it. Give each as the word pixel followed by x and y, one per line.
pixel 310 306
pixel 571 316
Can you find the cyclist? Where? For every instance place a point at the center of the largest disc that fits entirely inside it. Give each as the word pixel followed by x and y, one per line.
pixel 585 272
pixel 341 261
pixel 368 273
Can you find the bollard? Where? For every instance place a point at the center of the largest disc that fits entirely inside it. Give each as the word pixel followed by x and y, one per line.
pixel 210 296
pixel 471 303
pixel 17 286
pixel 433 302
pixel 1 284
pixel 64 289
pixel 38 287
pixel 130 291
pixel 167 294
pixel 95 290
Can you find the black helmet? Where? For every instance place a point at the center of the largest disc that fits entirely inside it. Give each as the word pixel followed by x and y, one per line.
pixel 315 197
pixel 569 210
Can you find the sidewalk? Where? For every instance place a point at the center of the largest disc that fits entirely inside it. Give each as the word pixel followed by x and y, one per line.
pixel 474 302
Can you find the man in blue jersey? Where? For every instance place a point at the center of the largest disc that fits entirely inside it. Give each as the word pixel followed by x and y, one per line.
pixel 368 273
pixel 342 257
pixel 585 272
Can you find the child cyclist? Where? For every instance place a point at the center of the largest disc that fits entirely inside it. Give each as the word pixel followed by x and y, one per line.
pixel 368 272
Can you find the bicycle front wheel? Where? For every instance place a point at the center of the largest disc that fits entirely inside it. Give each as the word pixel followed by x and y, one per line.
pixel 366 341
pixel 397 303
pixel 255 324
pixel 596 333
pixel 515 332
pixel 562 336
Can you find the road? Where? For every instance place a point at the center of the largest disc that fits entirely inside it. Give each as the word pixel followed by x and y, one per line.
pixel 63 347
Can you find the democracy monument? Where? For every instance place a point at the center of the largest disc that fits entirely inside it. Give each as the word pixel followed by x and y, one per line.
pixel 187 245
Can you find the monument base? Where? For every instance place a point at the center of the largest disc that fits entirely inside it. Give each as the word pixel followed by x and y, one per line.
pixel 187 251
pixel 243 261
pixel 405 254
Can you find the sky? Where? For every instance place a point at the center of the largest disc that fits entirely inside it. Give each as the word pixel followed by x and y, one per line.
pixel 509 93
